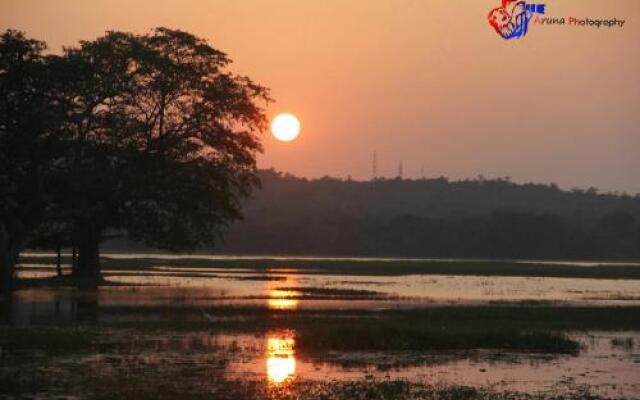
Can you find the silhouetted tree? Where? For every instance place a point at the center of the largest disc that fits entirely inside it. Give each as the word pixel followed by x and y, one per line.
pixel 29 148
pixel 164 140
pixel 145 134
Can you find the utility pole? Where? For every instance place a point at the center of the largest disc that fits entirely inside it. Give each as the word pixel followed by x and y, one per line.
pixel 400 170
pixel 374 167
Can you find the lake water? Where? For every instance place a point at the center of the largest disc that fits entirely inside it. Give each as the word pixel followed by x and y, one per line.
pixel 241 286
pixel 609 362
pixel 613 370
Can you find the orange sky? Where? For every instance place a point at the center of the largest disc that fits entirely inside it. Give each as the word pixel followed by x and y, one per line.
pixel 427 82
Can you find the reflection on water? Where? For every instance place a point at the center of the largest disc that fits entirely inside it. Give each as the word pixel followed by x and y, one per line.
pixel 281 361
pixel 608 361
pixel 224 286
pixel 601 365
pixel 283 304
pixel 283 299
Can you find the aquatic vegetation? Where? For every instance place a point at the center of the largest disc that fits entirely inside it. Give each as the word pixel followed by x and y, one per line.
pixel 626 343
pixel 329 291
pixel 192 332
pixel 394 334
pixel 261 278
pixel 52 339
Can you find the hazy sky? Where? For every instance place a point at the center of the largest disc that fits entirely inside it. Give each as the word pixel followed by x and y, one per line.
pixel 427 82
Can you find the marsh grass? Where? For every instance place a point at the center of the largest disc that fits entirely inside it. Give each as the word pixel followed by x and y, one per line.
pixel 626 344
pixel 53 340
pixel 392 337
pixel 518 328
pixel 331 292
pixel 64 281
pixel 508 317
pixel 128 360
pixel 526 317
pixel 188 384
pixel 267 278
pixel 315 335
pixel 131 363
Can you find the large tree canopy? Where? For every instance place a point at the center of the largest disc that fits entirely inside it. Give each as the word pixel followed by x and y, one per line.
pixel 29 145
pixel 160 141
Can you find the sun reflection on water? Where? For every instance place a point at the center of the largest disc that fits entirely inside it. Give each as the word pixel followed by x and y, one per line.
pixel 281 361
pixel 283 299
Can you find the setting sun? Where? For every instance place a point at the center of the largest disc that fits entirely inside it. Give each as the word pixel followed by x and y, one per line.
pixel 285 127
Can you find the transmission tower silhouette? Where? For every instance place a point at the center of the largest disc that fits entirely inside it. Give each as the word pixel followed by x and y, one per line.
pixel 374 166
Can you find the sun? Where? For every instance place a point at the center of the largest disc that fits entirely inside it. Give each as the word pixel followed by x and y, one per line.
pixel 285 127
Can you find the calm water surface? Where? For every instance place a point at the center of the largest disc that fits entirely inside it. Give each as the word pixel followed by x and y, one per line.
pixel 613 371
pixel 608 362
pixel 244 286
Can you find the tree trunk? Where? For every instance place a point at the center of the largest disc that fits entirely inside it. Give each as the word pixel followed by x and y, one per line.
pixel 74 260
pixel 89 257
pixel 59 261
pixel 6 309
pixel 8 258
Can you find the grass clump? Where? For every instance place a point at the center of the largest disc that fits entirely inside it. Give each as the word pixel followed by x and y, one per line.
pixel 53 340
pixel 328 291
pixel 365 335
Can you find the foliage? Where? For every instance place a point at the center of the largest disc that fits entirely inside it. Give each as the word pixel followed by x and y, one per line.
pixel 29 148
pixel 158 138
pixel 434 218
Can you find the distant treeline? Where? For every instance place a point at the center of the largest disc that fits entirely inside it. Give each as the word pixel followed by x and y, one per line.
pixel 434 218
